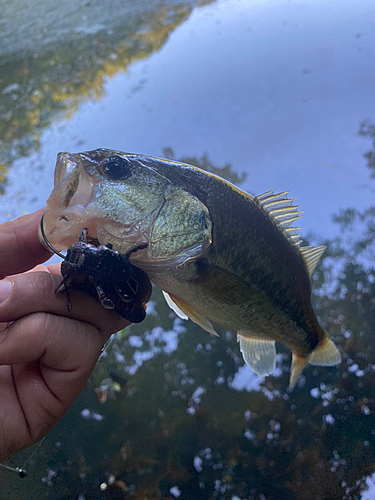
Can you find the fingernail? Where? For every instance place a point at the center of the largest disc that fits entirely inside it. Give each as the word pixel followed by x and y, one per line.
pixel 5 287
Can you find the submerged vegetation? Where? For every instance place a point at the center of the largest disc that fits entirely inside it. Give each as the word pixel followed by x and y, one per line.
pixel 367 130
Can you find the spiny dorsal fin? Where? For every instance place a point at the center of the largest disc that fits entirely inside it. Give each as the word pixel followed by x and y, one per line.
pixel 184 311
pixel 283 212
pixel 259 354
pixel 311 256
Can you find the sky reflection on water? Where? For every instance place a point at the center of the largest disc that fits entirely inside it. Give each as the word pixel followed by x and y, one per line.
pixel 278 89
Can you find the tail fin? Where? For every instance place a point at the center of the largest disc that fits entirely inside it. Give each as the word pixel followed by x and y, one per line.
pixel 326 354
pixel 298 365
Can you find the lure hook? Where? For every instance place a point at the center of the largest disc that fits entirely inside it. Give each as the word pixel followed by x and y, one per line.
pixel 44 241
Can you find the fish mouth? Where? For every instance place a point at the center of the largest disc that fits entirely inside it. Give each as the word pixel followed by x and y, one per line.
pixel 66 213
pixel 65 165
pixel 69 176
pixel 71 207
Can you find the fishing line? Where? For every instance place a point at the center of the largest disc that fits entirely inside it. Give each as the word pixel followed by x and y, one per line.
pixel 21 471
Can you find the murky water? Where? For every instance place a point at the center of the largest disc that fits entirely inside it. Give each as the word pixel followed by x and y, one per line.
pixel 274 95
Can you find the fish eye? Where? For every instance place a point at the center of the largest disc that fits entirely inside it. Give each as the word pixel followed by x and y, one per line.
pixel 116 168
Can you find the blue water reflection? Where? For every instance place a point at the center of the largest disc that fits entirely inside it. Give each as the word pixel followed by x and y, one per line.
pixel 277 89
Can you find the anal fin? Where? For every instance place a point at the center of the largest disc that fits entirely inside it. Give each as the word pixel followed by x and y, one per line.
pixel 259 354
pixel 185 311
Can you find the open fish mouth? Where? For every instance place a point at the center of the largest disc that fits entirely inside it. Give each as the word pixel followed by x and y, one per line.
pixel 48 245
pixel 65 164
pixel 61 229
pixel 44 240
pixel 73 187
pixel 66 214
pixel 123 202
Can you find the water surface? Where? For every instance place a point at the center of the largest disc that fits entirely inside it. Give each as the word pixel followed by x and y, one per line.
pixel 273 95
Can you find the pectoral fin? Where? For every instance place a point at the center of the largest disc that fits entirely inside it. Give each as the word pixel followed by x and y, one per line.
pixel 259 354
pixel 184 311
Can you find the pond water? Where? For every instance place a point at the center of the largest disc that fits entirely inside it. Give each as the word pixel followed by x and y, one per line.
pixel 272 94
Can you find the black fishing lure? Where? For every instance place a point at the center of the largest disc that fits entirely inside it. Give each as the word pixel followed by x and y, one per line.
pixel 102 271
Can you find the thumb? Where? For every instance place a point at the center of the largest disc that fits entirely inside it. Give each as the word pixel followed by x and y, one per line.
pixel 20 249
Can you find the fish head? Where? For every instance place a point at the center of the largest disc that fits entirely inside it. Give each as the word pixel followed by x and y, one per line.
pixel 124 199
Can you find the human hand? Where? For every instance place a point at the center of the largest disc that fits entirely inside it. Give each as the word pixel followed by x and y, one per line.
pixel 46 353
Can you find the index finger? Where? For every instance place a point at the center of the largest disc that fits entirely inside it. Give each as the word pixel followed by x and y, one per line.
pixel 20 249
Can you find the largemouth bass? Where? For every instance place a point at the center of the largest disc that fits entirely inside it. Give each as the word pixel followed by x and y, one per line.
pixel 219 254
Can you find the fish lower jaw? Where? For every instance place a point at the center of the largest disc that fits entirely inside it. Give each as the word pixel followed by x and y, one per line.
pixel 125 242
pixel 64 228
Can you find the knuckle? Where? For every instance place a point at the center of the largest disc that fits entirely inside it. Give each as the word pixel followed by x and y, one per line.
pixel 40 322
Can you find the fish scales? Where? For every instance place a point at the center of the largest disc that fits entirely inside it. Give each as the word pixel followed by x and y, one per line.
pixel 219 254
pixel 252 247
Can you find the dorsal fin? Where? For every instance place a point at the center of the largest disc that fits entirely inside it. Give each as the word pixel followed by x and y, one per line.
pixel 283 212
pixel 311 256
